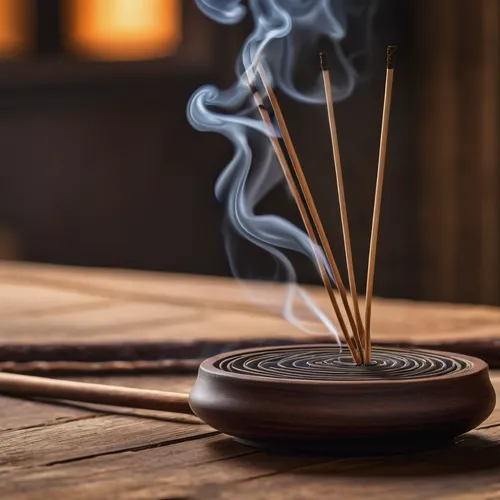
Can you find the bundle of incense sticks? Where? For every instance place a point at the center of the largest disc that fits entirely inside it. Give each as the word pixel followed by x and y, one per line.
pixel 357 334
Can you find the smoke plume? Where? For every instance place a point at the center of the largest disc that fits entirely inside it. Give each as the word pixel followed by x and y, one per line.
pixel 284 32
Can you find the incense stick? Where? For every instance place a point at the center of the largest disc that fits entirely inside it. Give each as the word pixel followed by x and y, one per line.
pixel 340 190
pixel 42 387
pixel 391 50
pixel 309 199
pixel 304 215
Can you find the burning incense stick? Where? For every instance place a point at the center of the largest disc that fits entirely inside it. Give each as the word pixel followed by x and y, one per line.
pixel 391 50
pixel 42 387
pixel 341 195
pixel 309 200
pixel 305 216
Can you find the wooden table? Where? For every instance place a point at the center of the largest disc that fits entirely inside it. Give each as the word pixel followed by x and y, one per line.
pixel 76 451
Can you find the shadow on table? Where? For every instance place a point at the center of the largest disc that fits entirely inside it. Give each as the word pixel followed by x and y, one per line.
pixel 125 412
pixel 469 453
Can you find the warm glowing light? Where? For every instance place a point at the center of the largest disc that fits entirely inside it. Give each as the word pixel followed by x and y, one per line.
pixel 123 29
pixel 15 27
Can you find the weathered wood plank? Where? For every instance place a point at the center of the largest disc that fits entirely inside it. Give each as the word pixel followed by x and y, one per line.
pixel 173 471
pixel 393 320
pixel 21 414
pixel 104 322
pixel 89 437
pixel 217 467
pixel 84 451
pixel 33 299
pixel 133 285
pixel 469 470
pixel 92 461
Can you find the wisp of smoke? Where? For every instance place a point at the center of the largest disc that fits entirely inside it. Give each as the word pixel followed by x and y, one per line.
pixel 282 29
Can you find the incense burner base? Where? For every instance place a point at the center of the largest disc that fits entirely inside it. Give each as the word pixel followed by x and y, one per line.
pixel 313 398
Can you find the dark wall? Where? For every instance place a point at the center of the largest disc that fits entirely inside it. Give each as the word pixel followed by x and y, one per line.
pixel 100 167
pixel 358 121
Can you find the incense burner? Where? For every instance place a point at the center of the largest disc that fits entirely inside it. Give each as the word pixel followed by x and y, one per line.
pixel 314 398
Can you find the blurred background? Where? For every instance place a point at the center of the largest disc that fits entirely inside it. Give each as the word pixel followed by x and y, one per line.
pixel 99 166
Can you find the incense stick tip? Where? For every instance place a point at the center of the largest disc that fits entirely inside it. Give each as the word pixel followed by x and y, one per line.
pixel 323 61
pixel 391 52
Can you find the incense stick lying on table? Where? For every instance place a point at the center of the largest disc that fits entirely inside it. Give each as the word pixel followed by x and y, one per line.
pixel 112 395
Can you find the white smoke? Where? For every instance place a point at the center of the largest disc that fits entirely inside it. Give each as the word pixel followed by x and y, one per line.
pixel 283 30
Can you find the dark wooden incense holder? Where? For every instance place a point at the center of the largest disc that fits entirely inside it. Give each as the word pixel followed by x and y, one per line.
pixel 314 398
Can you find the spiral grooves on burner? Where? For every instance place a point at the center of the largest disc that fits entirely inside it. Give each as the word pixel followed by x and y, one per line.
pixel 329 363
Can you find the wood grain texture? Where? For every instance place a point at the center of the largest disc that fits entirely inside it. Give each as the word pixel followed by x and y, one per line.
pixel 18 414
pixel 213 467
pixel 86 316
pixel 83 451
pixel 173 471
pixel 88 437
pixel 441 474
pixel 204 294
pixel 89 451
pixel 459 155
pixel 21 413
pixel 488 150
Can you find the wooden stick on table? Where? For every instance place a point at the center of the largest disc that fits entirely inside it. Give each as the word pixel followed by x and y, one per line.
pixel 378 195
pixel 42 387
pixel 341 195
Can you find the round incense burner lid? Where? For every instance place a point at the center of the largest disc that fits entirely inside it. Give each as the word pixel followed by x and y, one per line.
pixel 313 397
